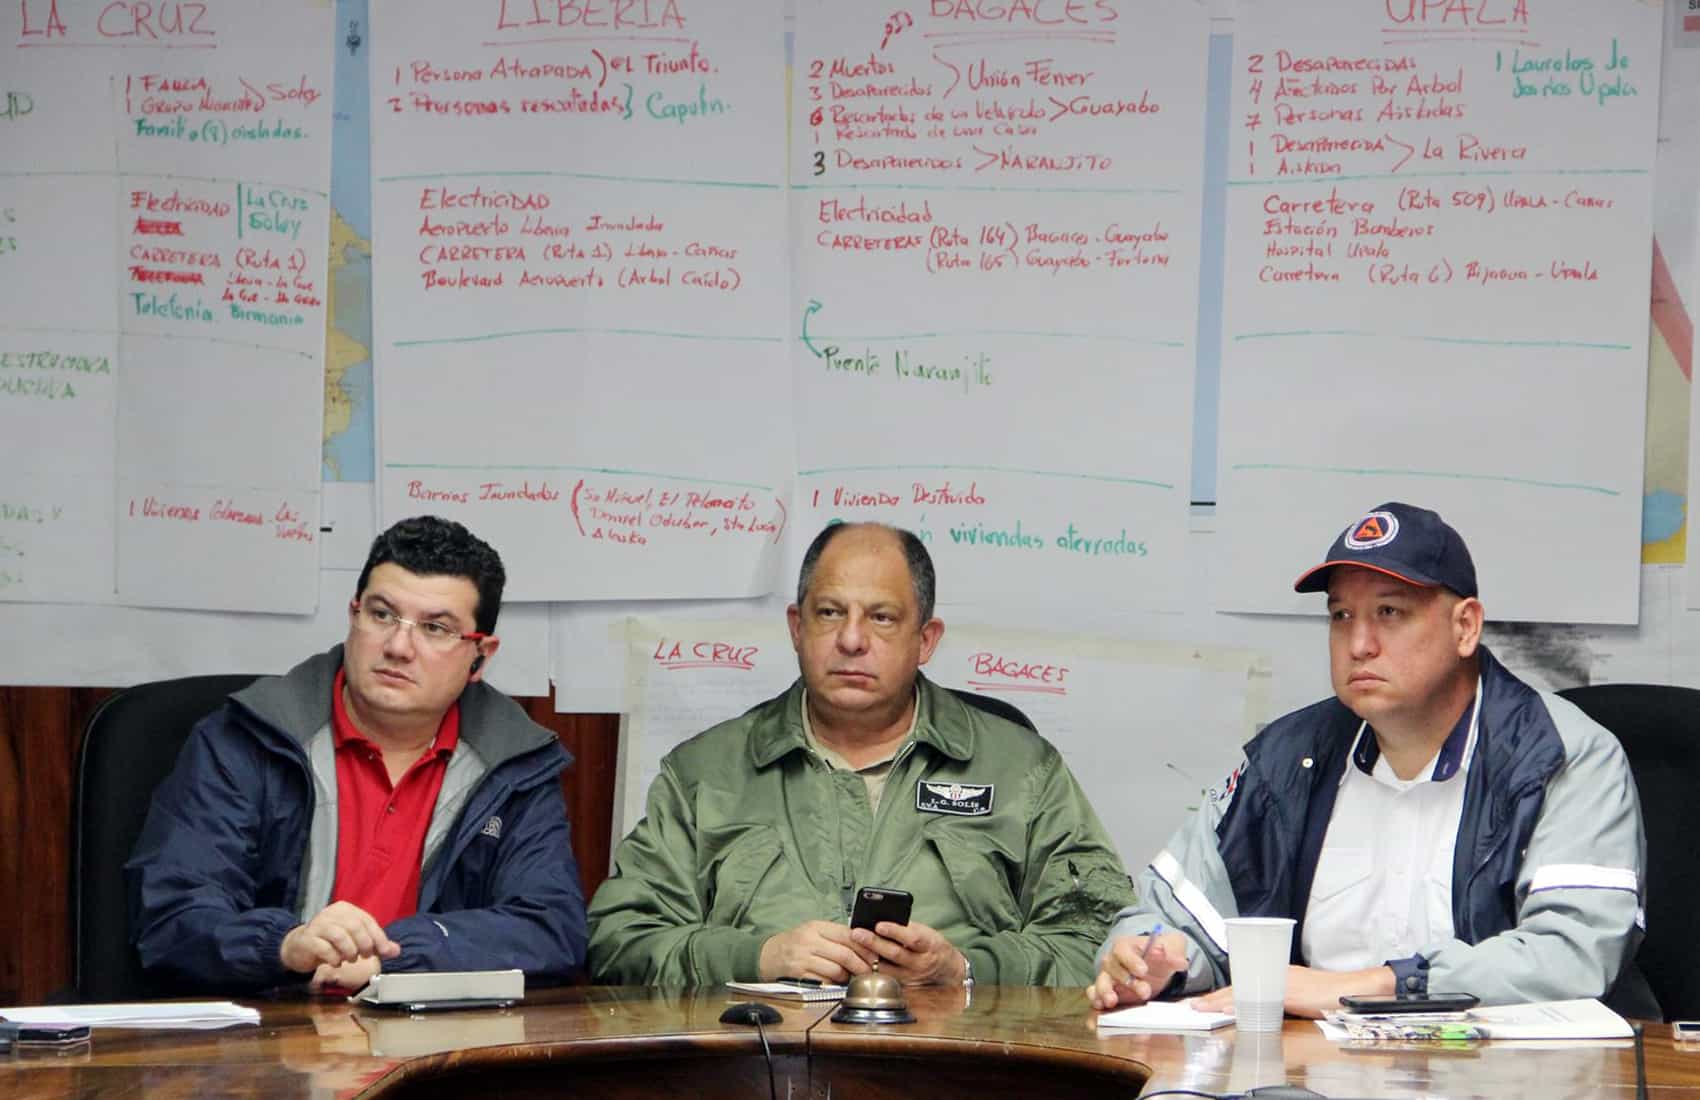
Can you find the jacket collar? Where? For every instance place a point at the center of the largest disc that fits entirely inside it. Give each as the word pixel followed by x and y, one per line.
pixel 1366 750
pixel 941 720
pixel 1275 825
pixel 297 705
pixel 1516 739
pixel 1298 759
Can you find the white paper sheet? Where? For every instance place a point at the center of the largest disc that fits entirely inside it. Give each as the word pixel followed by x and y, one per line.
pixel 164 213
pixel 995 230
pixel 580 289
pixel 681 678
pixel 1546 1021
pixel 1144 727
pixel 188 1015
pixel 1163 1016
pixel 589 652
pixel 1435 290
pixel 587 643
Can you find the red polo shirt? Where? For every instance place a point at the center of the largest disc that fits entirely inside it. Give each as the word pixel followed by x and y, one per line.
pixel 381 828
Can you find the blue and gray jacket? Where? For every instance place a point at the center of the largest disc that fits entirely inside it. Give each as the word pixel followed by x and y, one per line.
pixel 1547 884
pixel 240 844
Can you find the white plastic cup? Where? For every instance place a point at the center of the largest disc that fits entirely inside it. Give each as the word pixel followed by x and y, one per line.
pixel 1258 952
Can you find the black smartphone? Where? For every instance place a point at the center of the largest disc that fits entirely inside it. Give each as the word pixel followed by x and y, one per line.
pixel 1431 1002
pixel 45 1035
pixel 877 903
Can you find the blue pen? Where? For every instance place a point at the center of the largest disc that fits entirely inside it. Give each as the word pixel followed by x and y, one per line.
pixel 1151 941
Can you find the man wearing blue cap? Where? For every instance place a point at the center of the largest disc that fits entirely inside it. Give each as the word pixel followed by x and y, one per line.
pixel 1438 824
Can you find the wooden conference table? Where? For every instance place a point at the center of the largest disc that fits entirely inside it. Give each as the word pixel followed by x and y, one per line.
pixel 617 1042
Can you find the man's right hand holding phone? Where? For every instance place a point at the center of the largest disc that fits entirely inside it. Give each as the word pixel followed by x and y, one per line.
pixel 914 953
pixel 1137 968
pixel 911 952
pixel 814 949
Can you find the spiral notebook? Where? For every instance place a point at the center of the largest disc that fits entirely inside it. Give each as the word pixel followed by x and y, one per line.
pixel 789 991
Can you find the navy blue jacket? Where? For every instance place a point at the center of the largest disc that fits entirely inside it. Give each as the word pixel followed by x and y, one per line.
pixel 1271 836
pixel 1549 849
pixel 230 854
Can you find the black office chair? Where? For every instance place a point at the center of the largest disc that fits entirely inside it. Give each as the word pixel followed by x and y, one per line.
pixel 999 708
pixel 1659 728
pixel 1009 712
pixel 129 747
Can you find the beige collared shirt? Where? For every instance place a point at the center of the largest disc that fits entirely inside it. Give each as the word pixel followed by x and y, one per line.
pixel 873 774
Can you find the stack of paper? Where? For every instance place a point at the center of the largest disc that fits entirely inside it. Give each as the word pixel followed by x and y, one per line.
pixel 1164 1016
pixel 1580 1019
pixel 1442 1026
pixel 196 1015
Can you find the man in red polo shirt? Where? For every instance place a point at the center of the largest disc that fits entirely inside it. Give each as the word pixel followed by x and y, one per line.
pixel 378 807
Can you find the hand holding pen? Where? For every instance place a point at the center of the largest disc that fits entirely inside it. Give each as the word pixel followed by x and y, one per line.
pixel 1135 969
pixel 1150 942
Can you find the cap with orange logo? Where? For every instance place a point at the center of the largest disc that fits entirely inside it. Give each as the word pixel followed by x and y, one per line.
pixel 1403 541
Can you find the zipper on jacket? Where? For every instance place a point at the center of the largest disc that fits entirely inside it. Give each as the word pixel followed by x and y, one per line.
pixel 882 813
pixel 879 817
pixel 1497 841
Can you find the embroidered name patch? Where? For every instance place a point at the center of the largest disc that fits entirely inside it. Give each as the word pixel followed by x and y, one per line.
pixel 961 799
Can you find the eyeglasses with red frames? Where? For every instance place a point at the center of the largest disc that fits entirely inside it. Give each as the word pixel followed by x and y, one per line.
pixel 378 619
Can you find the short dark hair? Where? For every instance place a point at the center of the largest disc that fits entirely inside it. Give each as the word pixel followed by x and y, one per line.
pixel 914 553
pixel 432 546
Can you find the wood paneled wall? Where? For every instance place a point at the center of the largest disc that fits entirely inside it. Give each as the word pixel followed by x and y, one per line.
pixel 40 731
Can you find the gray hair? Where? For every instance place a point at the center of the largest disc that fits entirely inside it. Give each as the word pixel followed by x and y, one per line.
pixel 914 553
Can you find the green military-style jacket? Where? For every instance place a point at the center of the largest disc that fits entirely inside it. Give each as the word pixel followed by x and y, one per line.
pixel 747 833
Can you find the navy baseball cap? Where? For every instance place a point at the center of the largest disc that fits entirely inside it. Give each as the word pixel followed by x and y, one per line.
pixel 1403 541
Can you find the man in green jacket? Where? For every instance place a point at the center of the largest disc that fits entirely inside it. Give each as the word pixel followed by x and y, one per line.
pixel 759 831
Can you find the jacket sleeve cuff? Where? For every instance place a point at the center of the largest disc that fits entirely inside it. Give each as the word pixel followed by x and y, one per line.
pixel 747 957
pixel 271 952
pixel 425 945
pixel 984 964
pixel 1410 977
pixel 256 958
pixel 721 954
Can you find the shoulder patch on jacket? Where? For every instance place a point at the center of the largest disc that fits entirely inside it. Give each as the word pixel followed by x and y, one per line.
pixel 492 828
pixel 961 799
pixel 1222 794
